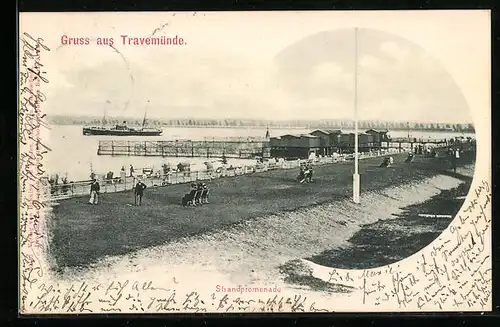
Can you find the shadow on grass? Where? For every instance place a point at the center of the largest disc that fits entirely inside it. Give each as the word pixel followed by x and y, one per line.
pixel 388 241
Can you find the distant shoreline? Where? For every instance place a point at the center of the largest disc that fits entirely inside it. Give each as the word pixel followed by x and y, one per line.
pixel 284 127
pixel 192 126
pixel 262 123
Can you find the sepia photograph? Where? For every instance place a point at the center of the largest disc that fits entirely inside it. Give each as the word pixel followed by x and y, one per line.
pixel 254 162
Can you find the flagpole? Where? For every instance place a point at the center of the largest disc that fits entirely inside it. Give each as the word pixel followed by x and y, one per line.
pixel 355 177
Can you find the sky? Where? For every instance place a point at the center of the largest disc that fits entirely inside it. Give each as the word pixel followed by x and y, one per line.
pixel 246 67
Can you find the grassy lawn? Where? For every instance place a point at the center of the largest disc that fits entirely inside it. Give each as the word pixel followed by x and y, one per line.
pixel 82 233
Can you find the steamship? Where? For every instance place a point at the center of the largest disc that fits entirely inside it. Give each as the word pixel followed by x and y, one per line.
pixel 122 129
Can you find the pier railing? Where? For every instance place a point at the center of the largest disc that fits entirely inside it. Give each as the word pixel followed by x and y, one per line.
pixel 407 140
pixel 158 178
pixel 238 147
pixel 230 148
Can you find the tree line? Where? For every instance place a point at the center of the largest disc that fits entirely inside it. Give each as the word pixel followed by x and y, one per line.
pixel 235 123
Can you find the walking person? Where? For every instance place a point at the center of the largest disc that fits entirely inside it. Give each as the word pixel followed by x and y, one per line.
pixel 123 175
pixel 94 192
pixel 139 192
pixel 199 192
pixel 309 174
pixel 204 198
pixel 454 159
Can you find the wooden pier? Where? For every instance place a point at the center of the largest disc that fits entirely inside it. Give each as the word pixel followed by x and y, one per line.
pixel 185 148
pixel 251 148
pixel 414 143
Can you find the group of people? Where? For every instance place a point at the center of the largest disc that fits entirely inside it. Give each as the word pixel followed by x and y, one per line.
pixel 430 153
pixel 410 157
pixel 388 161
pixel 198 195
pixel 453 155
pixel 305 173
pixel 95 189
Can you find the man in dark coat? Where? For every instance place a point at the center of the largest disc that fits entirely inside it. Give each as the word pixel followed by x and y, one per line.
pixel 189 198
pixel 301 177
pixel 139 192
pixel 94 192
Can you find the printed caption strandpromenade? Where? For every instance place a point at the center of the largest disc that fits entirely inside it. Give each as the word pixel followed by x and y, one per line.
pixel 124 40
pixel 247 289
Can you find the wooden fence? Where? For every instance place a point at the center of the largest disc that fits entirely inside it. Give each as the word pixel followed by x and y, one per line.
pixel 118 184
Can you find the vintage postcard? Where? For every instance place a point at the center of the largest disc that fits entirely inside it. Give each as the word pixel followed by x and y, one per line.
pixel 182 162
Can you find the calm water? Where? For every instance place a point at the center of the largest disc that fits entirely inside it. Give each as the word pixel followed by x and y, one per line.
pixel 74 154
